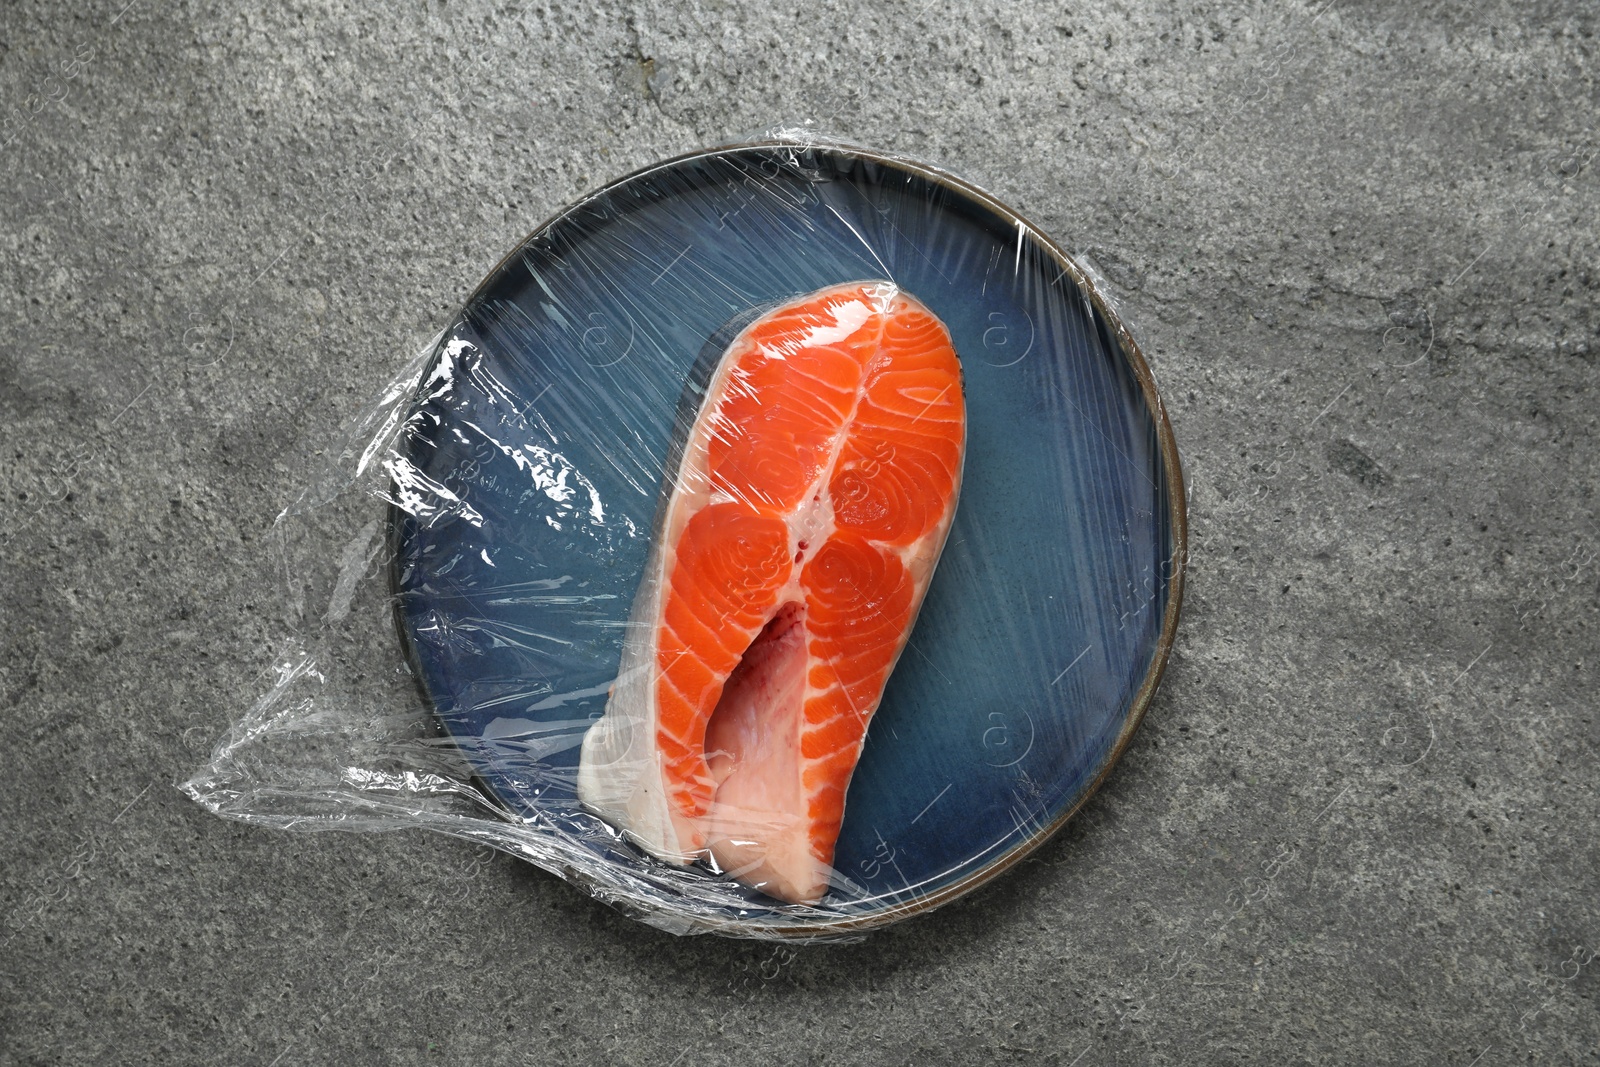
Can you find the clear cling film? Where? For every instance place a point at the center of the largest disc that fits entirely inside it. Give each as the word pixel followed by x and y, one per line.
pixel 783 540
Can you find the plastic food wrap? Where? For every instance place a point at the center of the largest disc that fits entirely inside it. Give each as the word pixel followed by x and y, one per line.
pixel 783 540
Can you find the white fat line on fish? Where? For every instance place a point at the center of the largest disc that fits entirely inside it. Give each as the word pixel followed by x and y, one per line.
pixel 930 404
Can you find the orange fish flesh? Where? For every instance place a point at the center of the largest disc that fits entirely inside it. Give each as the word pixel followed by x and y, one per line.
pixel 815 491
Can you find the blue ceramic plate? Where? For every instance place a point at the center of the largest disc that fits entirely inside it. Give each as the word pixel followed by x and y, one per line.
pixel 539 435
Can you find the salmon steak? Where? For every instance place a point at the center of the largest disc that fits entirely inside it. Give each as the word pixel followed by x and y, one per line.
pixel 797 536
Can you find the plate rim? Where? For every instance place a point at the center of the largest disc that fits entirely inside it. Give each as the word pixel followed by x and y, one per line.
pixel 1177 517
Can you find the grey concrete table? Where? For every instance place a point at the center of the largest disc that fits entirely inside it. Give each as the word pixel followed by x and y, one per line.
pixel 1359 242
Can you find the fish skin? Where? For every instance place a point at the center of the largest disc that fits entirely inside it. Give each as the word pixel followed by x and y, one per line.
pixel 815 490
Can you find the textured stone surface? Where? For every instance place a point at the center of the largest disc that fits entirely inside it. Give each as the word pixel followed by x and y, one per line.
pixel 1359 242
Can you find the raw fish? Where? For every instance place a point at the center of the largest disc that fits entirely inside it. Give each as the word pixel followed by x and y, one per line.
pixel 801 525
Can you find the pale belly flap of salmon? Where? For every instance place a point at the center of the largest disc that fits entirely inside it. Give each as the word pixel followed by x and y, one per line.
pixel 815 490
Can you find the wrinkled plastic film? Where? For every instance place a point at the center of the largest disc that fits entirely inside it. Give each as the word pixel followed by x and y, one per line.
pixel 472 570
